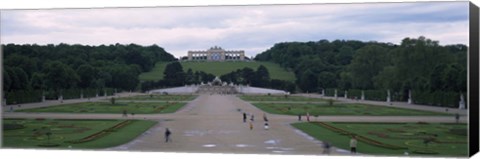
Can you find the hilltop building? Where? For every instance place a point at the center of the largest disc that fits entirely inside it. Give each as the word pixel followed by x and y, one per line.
pixel 216 54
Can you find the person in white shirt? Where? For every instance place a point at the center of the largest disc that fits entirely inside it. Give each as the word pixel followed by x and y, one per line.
pixel 353 145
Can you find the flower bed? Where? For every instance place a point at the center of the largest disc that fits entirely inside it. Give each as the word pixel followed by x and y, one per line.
pixel 396 130
pixel 361 138
pixel 48 145
pixel 425 152
pixel 13 126
pixel 101 133
pixel 159 109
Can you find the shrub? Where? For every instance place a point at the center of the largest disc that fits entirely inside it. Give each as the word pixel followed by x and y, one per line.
pixel 458 131
pixel 112 100
pixel 18 97
pixel 48 145
pixel 425 151
pixel 329 92
pixel 13 126
pixel 330 102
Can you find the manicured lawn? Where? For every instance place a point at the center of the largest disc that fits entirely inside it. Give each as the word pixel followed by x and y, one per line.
pixel 220 68
pixel 155 74
pixel 161 97
pixel 31 133
pixel 279 98
pixel 106 107
pixel 339 109
pixel 447 139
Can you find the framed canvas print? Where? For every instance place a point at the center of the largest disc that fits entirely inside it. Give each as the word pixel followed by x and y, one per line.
pixel 290 80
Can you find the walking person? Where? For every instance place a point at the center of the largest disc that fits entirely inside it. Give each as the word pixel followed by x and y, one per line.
pixel 167 135
pixel 265 117
pixel 124 113
pixel 457 117
pixel 252 117
pixel 326 147
pixel 251 126
pixel 353 145
pixel 244 117
pixel 266 126
pixel 299 117
pixel 308 117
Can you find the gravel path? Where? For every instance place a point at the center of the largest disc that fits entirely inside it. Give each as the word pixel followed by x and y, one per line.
pixel 213 123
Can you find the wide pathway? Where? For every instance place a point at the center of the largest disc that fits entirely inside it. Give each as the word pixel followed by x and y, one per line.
pixel 213 123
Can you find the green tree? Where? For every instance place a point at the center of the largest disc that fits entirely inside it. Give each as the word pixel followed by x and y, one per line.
pixel 123 77
pixel 171 69
pixel 247 75
pixel 38 81
pixel 26 64
pixel 7 81
pixel 344 56
pixel 59 76
pixel 262 77
pixel 308 82
pixel 326 80
pixel 366 64
pixel 19 78
pixel 345 81
pixel 87 74
pixel 189 77
pixel 104 78
pixel 174 74
pixel 387 79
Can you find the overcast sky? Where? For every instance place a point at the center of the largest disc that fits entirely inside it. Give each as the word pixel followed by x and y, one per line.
pixel 250 28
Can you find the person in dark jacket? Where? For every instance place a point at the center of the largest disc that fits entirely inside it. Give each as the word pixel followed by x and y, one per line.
pixel 244 117
pixel 167 135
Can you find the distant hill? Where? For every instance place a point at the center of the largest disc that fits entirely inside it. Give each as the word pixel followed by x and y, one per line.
pixel 220 68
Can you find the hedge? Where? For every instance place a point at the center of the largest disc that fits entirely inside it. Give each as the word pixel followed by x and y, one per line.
pixel 355 93
pixel 330 92
pixel 18 97
pixel 377 95
pixel 437 98
pixel 32 96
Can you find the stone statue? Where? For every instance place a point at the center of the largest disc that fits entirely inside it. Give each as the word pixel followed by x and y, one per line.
pixel 410 97
pixel 363 95
pixel 335 94
pixel 217 82
pixel 388 96
pixel 461 104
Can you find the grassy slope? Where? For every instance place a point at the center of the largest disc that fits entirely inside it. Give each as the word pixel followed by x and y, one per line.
pixel 220 68
pixel 155 74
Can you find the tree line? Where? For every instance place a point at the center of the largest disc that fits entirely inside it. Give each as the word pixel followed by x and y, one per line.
pixel 63 66
pixel 258 78
pixel 419 64
pixel 174 76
